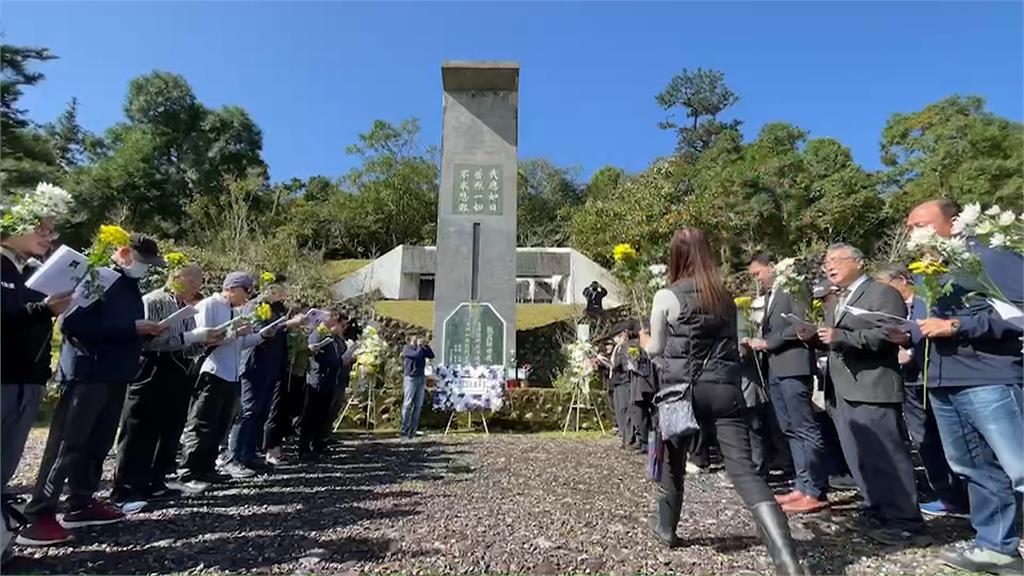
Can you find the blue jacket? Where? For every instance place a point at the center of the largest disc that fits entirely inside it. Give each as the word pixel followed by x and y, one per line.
pixel 268 361
pixel 986 350
pixel 324 365
pixel 414 360
pixel 100 341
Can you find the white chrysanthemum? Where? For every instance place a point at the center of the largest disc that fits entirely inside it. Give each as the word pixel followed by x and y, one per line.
pixel 966 220
pixel 1007 218
pixel 921 237
pixel 993 211
pixel 997 240
pixel 984 228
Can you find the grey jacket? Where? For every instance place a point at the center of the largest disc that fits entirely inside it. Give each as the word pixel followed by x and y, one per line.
pixel 787 355
pixel 862 365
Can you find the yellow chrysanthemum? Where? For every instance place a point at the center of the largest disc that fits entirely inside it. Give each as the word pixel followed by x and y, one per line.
pixel 262 312
pixel 175 259
pixel 267 278
pixel 323 330
pixel 928 267
pixel 624 253
pixel 114 236
pixel 744 302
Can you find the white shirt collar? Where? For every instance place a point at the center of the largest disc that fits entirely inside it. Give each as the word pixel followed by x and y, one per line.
pixel 856 284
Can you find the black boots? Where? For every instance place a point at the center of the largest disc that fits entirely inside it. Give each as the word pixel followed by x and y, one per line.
pixel 663 522
pixel 773 529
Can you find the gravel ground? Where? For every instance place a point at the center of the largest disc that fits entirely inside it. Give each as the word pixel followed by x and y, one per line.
pixel 460 504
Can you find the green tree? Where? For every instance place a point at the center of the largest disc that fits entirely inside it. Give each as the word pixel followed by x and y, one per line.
pixel 71 143
pixel 956 149
pixel 701 96
pixel 25 153
pixel 546 195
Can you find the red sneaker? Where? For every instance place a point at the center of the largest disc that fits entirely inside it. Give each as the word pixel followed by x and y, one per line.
pixel 45 531
pixel 95 514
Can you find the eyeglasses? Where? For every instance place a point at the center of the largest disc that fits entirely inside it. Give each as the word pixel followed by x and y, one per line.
pixel 833 261
pixel 47 233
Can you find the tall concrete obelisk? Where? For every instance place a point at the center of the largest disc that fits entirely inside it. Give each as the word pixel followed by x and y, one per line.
pixel 475 282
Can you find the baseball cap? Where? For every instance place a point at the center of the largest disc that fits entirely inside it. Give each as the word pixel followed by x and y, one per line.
pixel 238 280
pixel 147 249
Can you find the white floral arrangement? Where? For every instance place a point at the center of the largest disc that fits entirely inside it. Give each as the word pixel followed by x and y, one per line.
pixel 996 227
pixel 467 388
pixel 371 351
pixel 788 276
pixel 25 213
pixel 580 355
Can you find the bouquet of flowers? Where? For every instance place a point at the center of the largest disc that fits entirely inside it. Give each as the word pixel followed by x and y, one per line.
pixel 24 214
pixel 175 261
pixel 109 238
pixel 581 363
pixel 932 258
pixel 792 276
pixel 745 308
pixel 639 280
pixel 996 227
pixel 372 348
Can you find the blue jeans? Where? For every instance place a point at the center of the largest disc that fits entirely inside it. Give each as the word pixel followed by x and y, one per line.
pixel 247 430
pixel 791 401
pixel 980 427
pixel 413 388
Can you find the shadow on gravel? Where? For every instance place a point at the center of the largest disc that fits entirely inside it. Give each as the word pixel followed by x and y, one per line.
pixel 293 517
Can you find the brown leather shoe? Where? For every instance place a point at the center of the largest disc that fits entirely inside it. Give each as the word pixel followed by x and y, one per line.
pixel 789 496
pixel 804 505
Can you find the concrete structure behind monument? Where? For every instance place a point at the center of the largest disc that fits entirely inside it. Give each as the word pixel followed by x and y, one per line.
pixel 475 286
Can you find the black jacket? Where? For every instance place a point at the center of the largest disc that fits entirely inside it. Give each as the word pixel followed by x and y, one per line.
pixel 324 365
pixel 101 344
pixel 27 326
pixel 787 355
pixel 699 346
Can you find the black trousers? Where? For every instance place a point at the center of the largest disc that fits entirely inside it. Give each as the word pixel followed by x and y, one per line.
pixel 924 432
pixel 289 398
pixel 210 416
pixel 316 415
pixel 873 442
pixel 640 422
pixel 720 406
pixel 82 432
pixel 155 409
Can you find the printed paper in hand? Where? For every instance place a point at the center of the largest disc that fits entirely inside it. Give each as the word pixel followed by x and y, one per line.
pixel 273 325
pixel 803 327
pixel 182 314
pixel 1008 312
pixel 322 343
pixel 61 272
pixel 84 295
pixel 314 317
pixel 883 320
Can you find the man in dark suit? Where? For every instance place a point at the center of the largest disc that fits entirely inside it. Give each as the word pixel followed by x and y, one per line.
pixel 865 388
pixel 790 385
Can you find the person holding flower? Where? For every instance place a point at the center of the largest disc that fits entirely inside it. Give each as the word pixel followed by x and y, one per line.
pixel 156 405
pixel 25 359
pixel 414 383
pixel 974 380
pixel 290 391
pixel 325 353
pixel 217 389
pixel 264 365
pixel 791 367
pixel 99 357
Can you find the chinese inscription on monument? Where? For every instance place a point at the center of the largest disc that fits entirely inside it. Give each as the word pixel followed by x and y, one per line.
pixel 477 190
pixel 474 336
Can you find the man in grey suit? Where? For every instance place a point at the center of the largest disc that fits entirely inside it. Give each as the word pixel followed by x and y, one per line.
pixel 865 388
pixel 791 366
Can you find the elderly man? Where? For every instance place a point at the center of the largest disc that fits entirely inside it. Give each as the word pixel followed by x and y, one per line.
pixel 949 491
pixel 157 402
pixel 100 356
pixel 974 386
pixel 864 386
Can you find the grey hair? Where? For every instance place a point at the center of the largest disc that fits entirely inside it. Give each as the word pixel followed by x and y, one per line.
pixel 894 271
pixel 855 252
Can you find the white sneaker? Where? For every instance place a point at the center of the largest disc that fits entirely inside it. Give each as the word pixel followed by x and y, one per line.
pixel 692 468
pixel 273 457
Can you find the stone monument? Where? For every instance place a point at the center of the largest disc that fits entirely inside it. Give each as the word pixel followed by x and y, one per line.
pixel 475 282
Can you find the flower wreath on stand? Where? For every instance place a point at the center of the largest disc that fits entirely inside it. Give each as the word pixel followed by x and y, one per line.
pixel 467 388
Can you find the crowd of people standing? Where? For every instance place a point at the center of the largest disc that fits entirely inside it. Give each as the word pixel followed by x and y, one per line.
pixel 849 379
pixel 197 399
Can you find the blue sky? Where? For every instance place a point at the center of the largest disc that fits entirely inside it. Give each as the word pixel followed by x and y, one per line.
pixel 314 75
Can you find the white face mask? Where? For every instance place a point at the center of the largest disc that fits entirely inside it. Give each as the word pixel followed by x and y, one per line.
pixel 137 270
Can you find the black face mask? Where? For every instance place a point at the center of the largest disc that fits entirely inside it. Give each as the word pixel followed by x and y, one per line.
pixel 278 308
